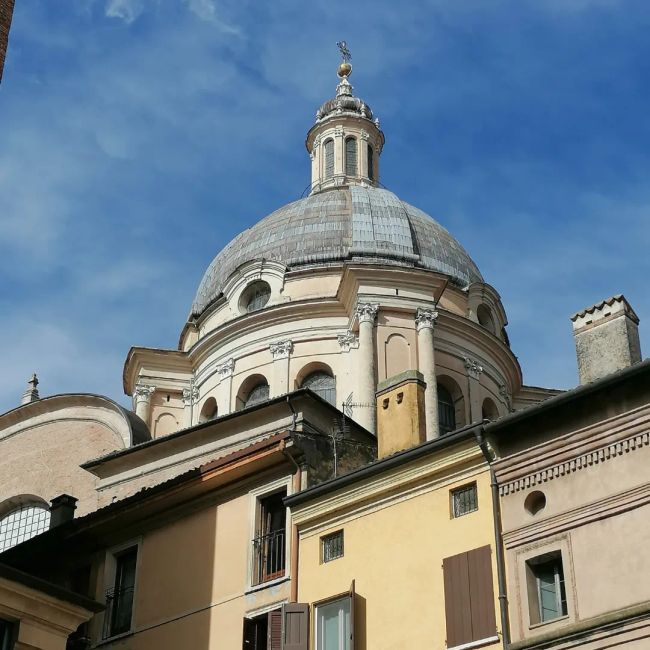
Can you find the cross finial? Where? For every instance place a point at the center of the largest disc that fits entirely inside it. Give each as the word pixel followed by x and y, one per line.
pixel 345 52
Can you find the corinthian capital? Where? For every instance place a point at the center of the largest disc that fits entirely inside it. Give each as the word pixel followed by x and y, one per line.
pixel 143 392
pixel 190 395
pixel 226 368
pixel 281 349
pixel 425 319
pixel 366 312
pixel 348 341
pixel 474 369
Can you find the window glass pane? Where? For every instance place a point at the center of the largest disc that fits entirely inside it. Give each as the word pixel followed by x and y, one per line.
pixel 464 500
pixel 351 157
pixel 329 159
pixel 23 523
pixel 322 384
pixel 371 164
pixel 446 410
pixel 550 589
pixel 259 393
pixel 333 621
pixel 332 546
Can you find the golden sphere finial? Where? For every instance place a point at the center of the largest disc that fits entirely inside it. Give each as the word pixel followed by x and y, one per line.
pixel 345 69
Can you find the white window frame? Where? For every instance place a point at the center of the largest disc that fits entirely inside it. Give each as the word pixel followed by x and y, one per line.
pixel 255 496
pixel 317 630
pixel 110 568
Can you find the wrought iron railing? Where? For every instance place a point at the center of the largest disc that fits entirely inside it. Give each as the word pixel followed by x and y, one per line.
pixel 117 615
pixel 268 557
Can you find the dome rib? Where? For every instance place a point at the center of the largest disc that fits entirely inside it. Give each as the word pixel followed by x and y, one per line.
pixel 351 223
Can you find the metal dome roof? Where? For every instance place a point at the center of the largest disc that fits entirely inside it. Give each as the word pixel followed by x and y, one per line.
pixel 354 223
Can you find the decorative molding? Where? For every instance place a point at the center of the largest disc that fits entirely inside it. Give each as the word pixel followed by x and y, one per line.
pixel 473 368
pixel 593 457
pixel 226 368
pixel 281 349
pixel 364 135
pixel 425 319
pixel 348 341
pixel 143 392
pixel 338 131
pixel 366 312
pixel 190 396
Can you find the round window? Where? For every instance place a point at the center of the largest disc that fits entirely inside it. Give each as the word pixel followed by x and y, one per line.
pixel 255 296
pixel 535 502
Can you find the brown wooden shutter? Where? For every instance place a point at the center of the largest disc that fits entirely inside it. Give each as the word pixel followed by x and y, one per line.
pixel 295 626
pixel 479 563
pixel 274 634
pixel 469 597
pixel 457 600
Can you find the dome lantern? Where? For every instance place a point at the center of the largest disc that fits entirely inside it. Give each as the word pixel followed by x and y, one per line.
pixel 345 142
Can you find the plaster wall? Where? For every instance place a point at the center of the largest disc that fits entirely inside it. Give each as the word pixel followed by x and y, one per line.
pixel 411 535
pixel 193 579
pixel 43 461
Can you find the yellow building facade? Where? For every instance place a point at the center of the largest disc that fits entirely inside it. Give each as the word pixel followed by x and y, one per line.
pixel 423 564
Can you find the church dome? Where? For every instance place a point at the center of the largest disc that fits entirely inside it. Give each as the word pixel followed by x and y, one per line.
pixel 363 224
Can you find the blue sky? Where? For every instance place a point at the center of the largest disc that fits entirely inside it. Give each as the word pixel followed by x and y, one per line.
pixel 138 136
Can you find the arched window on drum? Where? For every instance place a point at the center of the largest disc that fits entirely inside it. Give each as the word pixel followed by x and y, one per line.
pixel 329 158
pixel 322 383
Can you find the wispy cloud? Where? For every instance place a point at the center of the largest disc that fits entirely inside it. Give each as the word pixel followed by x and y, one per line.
pixel 126 10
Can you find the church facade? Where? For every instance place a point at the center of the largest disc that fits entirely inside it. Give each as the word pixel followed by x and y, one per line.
pixel 337 455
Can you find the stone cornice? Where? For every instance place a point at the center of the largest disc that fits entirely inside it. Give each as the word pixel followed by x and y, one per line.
pixel 375 492
pixel 594 511
pixel 574 451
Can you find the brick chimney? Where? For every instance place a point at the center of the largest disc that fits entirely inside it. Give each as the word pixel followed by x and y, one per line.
pixel 62 509
pixel 401 421
pixel 607 338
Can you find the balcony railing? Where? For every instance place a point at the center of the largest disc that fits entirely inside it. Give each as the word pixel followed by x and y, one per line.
pixel 117 615
pixel 268 557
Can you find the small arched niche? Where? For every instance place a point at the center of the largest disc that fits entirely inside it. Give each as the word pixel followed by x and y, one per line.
pixel 485 318
pixel 535 502
pixel 319 378
pixel 451 405
pixel 254 390
pixel 489 410
pixel 209 410
pixel 398 355
pixel 165 424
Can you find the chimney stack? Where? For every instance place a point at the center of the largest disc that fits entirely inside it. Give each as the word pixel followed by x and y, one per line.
pixel 62 509
pixel 607 338
pixel 401 421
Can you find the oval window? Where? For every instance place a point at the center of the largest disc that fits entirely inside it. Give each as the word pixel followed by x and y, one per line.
pixel 255 296
pixel 535 502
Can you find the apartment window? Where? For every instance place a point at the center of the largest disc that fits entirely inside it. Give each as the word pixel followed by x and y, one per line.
pixel 263 632
pixel 8 633
pixel 546 588
pixel 332 546
pixel 469 597
pixel 119 598
pixel 334 625
pixel 464 500
pixel 270 540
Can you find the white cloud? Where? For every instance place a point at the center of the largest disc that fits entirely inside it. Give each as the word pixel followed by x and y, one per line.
pixel 207 10
pixel 126 10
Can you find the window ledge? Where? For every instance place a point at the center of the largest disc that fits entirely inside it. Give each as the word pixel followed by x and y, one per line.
pixel 536 626
pixel 113 638
pixel 475 644
pixel 269 583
